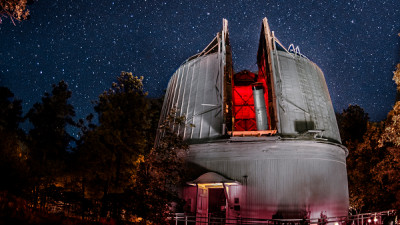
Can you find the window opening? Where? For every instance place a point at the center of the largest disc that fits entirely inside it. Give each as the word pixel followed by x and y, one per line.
pixel 251 103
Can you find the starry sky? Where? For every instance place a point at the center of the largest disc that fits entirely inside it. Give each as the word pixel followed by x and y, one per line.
pixel 88 43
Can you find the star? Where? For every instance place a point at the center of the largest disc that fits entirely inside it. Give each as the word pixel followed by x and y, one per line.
pixel 88 44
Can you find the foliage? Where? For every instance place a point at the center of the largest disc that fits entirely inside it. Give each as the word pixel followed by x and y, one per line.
pixel 352 124
pixel 392 129
pixel 115 172
pixel 396 76
pixel 16 210
pixel 10 110
pixel 119 165
pixel 387 173
pixel 14 9
pixel 12 149
pixel 374 161
pixel 161 173
pixel 111 153
pixel 366 193
pixel 49 140
pixel 388 170
pixel 123 118
pixel 361 138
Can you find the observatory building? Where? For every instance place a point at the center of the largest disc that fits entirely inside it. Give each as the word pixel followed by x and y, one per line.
pixel 263 144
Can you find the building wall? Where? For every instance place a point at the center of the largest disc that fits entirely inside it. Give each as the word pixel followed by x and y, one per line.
pixel 288 177
pixel 195 91
pixel 303 98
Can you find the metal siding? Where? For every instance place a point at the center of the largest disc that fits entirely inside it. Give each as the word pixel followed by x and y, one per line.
pixel 205 117
pixel 194 84
pixel 165 105
pixel 185 69
pixel 168 100
pixel 292 96
pixel 199 100
pixel 192 97
pixel 235 191
pixel 209 96
pixel 213 97
pixel 188 86
pixel 277 85
pixel 175 94
pixel 303 97
pixel 282 176
pixel 178 102
pixel 315 100
pixel 196 102
pixel 330 117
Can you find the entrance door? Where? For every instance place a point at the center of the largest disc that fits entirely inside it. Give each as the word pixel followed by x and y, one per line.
pixel 202 206
pixel 216 205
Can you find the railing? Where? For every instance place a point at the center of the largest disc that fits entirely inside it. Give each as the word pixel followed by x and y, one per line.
pixel 376 218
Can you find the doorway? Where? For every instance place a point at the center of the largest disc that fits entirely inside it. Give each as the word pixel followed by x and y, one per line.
pixel 217 205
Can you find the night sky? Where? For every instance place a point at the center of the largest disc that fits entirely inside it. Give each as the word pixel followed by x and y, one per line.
pixel 88 43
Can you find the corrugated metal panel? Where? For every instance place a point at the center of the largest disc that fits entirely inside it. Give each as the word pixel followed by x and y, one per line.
pixel 281 176
pixel 303 97
pixel 194 90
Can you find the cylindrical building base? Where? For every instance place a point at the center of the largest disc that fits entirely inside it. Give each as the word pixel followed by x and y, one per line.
pixel 278 178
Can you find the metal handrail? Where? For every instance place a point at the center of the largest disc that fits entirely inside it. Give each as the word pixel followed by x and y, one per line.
pixel 373 218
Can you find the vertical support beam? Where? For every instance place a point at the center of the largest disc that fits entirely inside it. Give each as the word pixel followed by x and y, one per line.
pixel 228 202
pixel 265 49
pixel 277 81
pixel 227 78
pixel 197 197
pixel 222 60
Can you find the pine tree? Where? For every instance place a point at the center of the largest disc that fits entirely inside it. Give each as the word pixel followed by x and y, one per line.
pixel 352 124
pixel 160 174
pixel 113 150
pixel 119 165
pixel 13 153
pixel 49 140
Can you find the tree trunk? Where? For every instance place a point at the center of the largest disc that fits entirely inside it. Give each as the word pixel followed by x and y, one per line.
pixel 83 199
pixel 104 202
